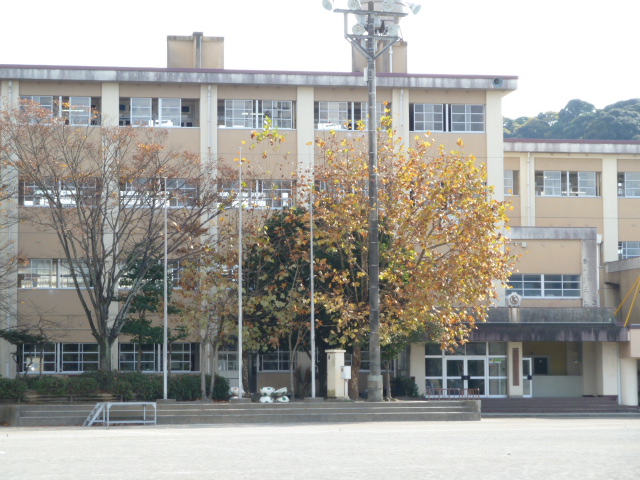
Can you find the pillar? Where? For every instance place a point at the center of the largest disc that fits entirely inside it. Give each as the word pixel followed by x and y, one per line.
pixel 515 384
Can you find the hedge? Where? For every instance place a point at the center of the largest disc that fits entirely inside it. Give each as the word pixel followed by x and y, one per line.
pixel 128 386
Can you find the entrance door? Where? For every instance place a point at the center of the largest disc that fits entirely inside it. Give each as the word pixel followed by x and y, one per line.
pixel 527 377
pixel 465 373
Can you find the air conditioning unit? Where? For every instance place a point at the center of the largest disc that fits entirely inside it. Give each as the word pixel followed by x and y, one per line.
pixel 513 300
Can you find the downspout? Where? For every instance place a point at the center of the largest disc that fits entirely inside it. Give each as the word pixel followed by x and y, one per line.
pixel 531 197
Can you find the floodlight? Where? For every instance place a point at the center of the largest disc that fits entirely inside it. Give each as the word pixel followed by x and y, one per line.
pixel 358 29
pixel 328 4
pixel 388 5
pixel 414 7
pixel 354 5
pixel 392 30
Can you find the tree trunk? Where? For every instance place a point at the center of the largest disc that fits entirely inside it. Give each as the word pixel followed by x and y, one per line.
pixel 105 354
pixel 387 379
pixel 214 369
pixel 245 372
pixel 356 362
pixel 292 391
pixel 139 362
pixel 203 371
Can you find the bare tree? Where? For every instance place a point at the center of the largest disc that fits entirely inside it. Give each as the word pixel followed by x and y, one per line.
pixel 105 193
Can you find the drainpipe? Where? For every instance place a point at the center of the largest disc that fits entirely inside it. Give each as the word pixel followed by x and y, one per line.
pixel 531 196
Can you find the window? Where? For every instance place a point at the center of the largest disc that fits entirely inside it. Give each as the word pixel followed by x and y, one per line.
pixel 227 361
pixel 275 194
pixel 129 356
pixel 150 192
pixel 345 115
pixel 364 360
pixel 552 183
pixel 277 361
pixel 628 250
pixel 60 358
pixel 428 117
pixel 629 184
pixel 55 192
pixel 545 285
pixel 184 357
pixel 175 269
pixel 39 360
pixel 511 182
pixel 74 110
pixel 50 273
pixel 253 113
pixel 467 118
pixel 80 357
pixel 158 112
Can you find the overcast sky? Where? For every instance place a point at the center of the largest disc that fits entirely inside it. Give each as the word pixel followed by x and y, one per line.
pixel 559 49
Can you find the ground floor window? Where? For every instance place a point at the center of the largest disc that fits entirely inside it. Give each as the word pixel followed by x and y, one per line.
pixel 60 358
pixel 278 361
pixel 184 357
pixel 474 368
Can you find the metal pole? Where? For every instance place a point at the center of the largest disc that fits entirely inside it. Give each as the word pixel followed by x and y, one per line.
pixel 313 306
pixel 165 344
pixel 374 384
pixel 239 276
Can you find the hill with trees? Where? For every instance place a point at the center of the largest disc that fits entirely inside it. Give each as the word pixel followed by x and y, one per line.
pixel 580 120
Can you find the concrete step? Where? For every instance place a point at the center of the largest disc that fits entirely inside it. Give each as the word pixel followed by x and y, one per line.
pixel 252 413
pixel 578 405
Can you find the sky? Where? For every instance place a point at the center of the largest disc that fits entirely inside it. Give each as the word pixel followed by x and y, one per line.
pixel 559 49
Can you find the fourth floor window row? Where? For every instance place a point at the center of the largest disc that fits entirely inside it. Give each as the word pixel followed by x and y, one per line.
pixel 252 113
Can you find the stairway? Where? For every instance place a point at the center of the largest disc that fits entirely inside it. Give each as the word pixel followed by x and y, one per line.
pixel 256 413
pixel 605 405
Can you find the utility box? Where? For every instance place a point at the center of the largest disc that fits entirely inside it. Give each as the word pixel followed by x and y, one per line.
pixel 335 371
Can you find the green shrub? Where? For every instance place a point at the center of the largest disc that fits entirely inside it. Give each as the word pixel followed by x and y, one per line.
pixel 12 389
pixel 145 387
pixel 220 389
pixel 121 388
pixel 104 379
pixel 49 385
pixel 79 385
pixel 404 387
pixel 184 388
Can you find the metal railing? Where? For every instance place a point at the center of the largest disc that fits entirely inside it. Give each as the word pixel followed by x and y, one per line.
pixel 445 393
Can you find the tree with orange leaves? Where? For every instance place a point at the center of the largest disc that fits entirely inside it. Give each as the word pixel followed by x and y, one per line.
pixel 442 248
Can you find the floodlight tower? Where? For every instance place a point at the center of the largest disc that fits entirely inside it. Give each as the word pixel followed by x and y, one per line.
pixel 376 29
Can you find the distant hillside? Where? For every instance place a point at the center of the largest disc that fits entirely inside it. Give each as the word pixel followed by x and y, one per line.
pixel 580 120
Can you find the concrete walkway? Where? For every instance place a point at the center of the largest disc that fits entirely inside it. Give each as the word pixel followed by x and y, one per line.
pixel 490 449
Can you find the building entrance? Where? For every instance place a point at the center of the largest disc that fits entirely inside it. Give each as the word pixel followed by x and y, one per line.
pixel 477 368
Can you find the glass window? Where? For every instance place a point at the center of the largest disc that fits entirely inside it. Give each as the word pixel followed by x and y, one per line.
pixel 181 192
pixel 433 367
pixel 277 361
pixel 227 361
pixel 545 285
pixel 79 110
pixel 280 113
pixel 574 184
pixel 428 117
pixel 80 357
pixel 141 112
pixel 333 116
pixel 183 357
pixel 628 250
pixel 129 356
pixel 467 118
pixel 511 182
pixel 39 360
pixel 170 112
pixel 629 184
pixel 476 348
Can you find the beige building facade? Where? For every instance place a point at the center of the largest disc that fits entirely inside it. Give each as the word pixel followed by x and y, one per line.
pixel 552 334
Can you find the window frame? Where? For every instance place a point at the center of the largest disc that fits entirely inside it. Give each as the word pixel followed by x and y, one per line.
pixel 561 183
pixel 624 181
pixel 277 361
pixel 540 285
